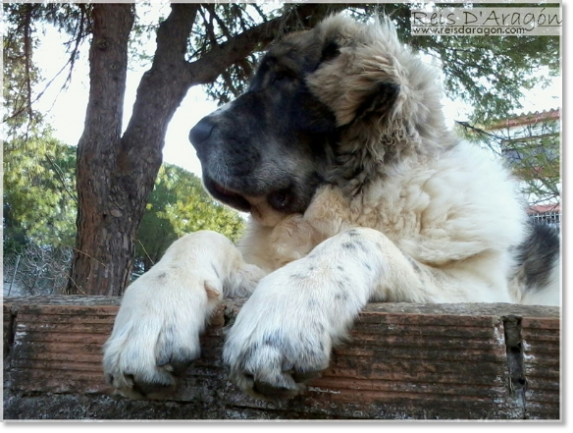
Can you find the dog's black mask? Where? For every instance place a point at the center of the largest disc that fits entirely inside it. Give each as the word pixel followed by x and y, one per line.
pixel 275 141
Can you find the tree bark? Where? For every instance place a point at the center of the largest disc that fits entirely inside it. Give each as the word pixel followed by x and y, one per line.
pixel 116 173
pixel 101 260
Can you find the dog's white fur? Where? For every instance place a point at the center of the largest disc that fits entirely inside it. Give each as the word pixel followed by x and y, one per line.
pixel 436 226
pixel 164 311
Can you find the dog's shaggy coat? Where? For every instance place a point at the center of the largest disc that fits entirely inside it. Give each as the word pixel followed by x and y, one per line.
pixel 358 191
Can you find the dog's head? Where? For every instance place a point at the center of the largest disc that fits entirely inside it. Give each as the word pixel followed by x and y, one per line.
pixel 328 104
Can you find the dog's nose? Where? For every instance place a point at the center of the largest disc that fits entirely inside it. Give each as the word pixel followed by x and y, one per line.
pixel 201 132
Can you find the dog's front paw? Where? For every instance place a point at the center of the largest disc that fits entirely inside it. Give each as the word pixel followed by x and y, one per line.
pixel 155 336
pixel 280 339
pixel 273 360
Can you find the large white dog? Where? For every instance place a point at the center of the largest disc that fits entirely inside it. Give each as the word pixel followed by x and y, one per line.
pixel 358 192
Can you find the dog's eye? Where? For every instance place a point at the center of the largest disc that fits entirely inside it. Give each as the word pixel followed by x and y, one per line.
pixel 280 199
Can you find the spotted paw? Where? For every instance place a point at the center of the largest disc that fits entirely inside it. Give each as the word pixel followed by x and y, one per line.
pixel 280 340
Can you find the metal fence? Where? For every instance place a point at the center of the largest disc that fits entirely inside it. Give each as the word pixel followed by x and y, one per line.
pixel 548 218
pixel 36 271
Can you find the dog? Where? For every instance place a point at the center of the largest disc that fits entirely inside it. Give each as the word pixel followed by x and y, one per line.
pixel 357 190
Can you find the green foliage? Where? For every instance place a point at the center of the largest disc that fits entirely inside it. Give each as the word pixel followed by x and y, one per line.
pixel 20 74
pixel 40 202
pixel 179 205
pixel 39 193
pixel 39 171
pixel 39 183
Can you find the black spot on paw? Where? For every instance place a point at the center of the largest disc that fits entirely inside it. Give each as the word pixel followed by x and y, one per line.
pixel 414 265
pixel 361 246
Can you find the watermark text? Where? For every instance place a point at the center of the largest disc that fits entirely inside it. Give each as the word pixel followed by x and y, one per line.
pixel 538 21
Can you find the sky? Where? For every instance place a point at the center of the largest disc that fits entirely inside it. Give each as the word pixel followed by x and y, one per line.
pixel 66 108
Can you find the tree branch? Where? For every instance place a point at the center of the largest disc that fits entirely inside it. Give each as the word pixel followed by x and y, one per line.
pixel 209 66
pixel 28 57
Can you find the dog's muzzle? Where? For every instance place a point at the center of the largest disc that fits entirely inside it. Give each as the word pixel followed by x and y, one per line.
pixel 268 207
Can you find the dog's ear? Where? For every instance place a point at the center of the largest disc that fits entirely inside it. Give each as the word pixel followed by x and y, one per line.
pixel 379 102
pixel 355 83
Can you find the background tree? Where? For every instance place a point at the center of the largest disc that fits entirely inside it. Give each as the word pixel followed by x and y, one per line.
pixel 39 213
pixel 39 192
pixel 217 45
pixel 40 208
pixel 38 169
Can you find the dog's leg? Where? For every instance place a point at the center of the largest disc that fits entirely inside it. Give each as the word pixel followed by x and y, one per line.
pixel 156 332
pixel 284 333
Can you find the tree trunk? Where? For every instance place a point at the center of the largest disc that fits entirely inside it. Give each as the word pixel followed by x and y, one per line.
pixel 102 260
pixel 115 173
